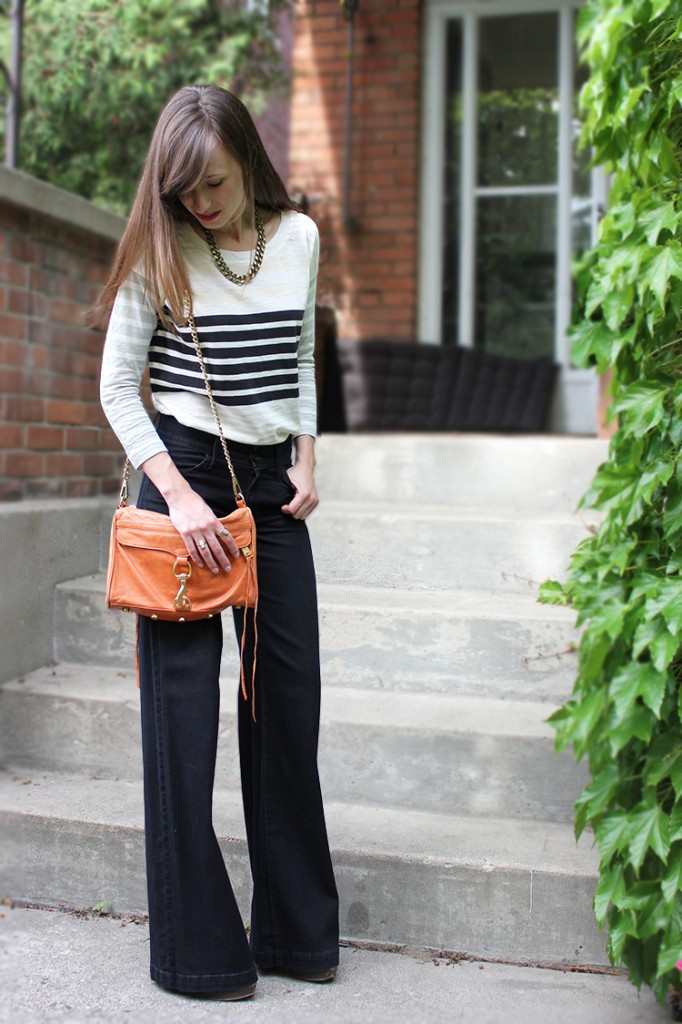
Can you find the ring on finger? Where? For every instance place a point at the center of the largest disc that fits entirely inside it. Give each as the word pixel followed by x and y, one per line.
pixel 201 544
pixel 223 533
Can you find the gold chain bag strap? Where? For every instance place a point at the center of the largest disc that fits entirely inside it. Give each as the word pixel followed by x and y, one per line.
pixel 150 571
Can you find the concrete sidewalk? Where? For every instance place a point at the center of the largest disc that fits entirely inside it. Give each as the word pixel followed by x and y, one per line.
pixel 58 966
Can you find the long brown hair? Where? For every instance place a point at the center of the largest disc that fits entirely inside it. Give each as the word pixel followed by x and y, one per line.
pixel 194 120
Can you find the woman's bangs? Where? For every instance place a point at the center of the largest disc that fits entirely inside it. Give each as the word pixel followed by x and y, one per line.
pixel 187 163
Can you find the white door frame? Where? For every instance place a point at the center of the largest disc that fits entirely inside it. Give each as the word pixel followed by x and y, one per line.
pixel 575 409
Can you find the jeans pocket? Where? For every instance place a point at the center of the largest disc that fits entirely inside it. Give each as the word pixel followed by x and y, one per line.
pixel 286 480
pixel 150 498
pixel 186 458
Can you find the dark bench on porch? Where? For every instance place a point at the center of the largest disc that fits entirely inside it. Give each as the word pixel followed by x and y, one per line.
pixel 390 385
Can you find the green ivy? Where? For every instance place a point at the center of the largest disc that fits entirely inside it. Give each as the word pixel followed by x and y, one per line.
pixel 624 581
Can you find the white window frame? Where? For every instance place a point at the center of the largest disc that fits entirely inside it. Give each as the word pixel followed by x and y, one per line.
pixel 437 15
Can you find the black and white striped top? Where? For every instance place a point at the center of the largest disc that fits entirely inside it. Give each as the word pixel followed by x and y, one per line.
pixel 257 340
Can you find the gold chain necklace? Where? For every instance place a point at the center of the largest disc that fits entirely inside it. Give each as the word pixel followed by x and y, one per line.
pixel 257 256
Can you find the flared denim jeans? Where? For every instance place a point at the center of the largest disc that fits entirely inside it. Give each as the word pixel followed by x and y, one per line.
pixel 198 939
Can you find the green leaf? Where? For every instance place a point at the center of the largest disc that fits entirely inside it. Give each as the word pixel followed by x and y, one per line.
pixel 642 404
pixel 610 889
pixel 667 958
pixel 676 822
pixel 608 618
pixel 672 518
pixel 621 926
pixel 671 883
pixel 638 679
pixel 596 797
pixel 664 264
pixel 653 918
pixel 637 724
pixel 585 716
pixel 640 896
pixel 668 603
pixel 664 761
pixel 552 592
pixel 612 834
pixel 648 830
pixel 660 218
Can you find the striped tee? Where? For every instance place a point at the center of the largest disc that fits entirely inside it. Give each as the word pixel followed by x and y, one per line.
pixel 257 340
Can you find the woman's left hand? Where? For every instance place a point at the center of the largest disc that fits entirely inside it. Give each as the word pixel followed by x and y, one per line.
pixel 305 500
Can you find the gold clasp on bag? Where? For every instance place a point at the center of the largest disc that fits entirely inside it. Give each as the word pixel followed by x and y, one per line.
pixel 182 570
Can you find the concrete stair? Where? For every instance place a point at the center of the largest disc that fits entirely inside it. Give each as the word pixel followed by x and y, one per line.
pixel 449 814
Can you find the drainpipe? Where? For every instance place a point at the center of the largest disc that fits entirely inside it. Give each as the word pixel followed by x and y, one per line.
pixel 349 9
pixel 13 78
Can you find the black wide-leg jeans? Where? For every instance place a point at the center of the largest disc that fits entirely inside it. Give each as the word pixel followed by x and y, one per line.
pixel 198 939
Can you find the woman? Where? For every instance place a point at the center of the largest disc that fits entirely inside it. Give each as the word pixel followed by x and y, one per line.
pixel 212 220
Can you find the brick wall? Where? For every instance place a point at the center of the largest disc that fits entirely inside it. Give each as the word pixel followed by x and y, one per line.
pixel 369 268
pixel 53 436
pixel 274 122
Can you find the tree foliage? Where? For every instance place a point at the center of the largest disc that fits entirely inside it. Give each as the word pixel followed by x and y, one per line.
pixel 625 715
pixel 96 74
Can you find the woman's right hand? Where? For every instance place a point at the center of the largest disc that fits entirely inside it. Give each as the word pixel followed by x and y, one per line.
pixel 207 541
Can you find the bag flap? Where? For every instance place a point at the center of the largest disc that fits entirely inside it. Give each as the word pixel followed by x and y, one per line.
pixel 141 528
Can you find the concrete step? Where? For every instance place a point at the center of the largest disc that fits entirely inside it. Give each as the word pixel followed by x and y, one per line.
pixel 515 890
pixel 427 547
pixel 464 642
pixel 524 474
pixel 454 755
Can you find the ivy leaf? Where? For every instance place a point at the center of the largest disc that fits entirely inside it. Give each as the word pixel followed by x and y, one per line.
pixel 654 918
pixel 671 883
pixel 609 619
pixel 672 518
pixel 668 603
pixel 639 896
pixel 585 716
pixel 638 679
pixel 653 635
pixel 664 761
pixel 665 263
pixel 610 889
pixel 552 592
pixel 663 648
pixel 596 797
pixel 616 305
pixel 676 823
pixel 621 926
pixel 656 474
pixel 612 834
pixel 667 958
pixel 638 724
pixel 648 830
pixel 660 218
pixel 642 403
pixel 669 952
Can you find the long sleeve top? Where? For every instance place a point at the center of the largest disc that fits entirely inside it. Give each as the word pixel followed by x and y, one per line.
pixel 257 341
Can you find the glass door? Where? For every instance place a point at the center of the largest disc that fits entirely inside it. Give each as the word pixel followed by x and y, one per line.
pixel 516 198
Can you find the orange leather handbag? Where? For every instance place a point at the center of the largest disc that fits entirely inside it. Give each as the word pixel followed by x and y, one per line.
pixel 151 573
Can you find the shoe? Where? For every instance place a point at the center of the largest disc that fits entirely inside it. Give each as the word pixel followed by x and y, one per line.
pixel 231 995
pixel 324 975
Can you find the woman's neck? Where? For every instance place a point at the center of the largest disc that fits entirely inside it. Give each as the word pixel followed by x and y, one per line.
pixel 239 236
